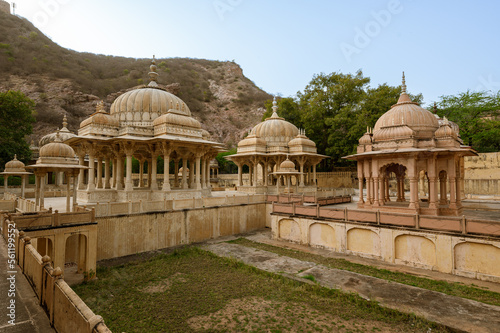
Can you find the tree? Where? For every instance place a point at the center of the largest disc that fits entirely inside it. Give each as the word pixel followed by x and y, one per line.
pixel 476 114
pixel 16 122
pixel 329 105
pixel 336 109
pixel 226 166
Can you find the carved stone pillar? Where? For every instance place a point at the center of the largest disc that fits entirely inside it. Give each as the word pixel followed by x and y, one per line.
pixel 107 172
pixel 99 172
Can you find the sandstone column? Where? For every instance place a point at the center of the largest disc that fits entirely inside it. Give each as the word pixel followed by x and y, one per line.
pixel 107 169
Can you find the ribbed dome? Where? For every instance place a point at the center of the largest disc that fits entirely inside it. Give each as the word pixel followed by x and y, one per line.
pixel 64 135
pixel 445 130
pixel 57 149
pixel 393 133
pixel 147 103
pixel 287 165
pixel 275 129
pixel 366 139
pixel 302 140
pixel 408 113
pixel 177 118
pixel 15 166
pixel 252 140
pixel 100 117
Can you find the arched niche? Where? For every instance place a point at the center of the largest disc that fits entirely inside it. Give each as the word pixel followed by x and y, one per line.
pixel 323 235
pixel 363 241
pixel 477 257
pixel 415 250
pixel 289 230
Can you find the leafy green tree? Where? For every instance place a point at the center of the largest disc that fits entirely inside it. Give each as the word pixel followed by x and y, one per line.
pixel 16 122
pixel 476 113
pixel 329 105
pixel 226 166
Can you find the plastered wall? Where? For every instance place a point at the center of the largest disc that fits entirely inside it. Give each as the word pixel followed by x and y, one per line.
pixel 119 236
pixel 474 257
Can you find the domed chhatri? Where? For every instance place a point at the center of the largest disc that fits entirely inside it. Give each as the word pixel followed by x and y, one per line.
pixel 267 146
pixel 410 142
pixel 59 158
pixel 144 123
pixel 15 168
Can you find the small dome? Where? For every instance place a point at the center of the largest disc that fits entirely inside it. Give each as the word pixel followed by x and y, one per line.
pixel 366 139
pixel 57 149
pixel 176 118
pixel 181 170
pixel 407 113
pixel 445 131
pixel 275 129
pixel 205 134
pixel 15 166
pixel 302 140
pixel 252 140
pixel 214 163
pixel 100 117
pixel 64 134
pixel 287 165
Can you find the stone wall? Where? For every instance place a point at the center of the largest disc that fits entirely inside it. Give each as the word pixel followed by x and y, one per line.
pixel 464 255
pixel 130 234
pixel 66 311
pixel 482 174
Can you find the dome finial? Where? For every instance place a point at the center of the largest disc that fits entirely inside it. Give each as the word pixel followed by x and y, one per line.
pixel 403 85
pixel 153 76
pixel 65 122
pixel 100 107
pixel 435 108
pixel 15 157
pixel 404 98
pixel 275 108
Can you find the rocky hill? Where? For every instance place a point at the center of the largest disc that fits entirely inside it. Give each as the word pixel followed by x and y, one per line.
pixel 65 82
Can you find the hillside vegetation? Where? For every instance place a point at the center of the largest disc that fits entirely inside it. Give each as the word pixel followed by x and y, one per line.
pixel 66 82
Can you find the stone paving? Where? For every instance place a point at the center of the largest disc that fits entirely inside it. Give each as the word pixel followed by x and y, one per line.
pixel 457 313
pixel 29 315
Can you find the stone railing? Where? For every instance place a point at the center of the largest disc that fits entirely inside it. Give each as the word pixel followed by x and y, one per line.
pixel 9 196
pixel 26 206
pixel 66 311
pixel 21 204
pixel 137 207
pixel 309 198
pixel 453 224
pixel 52 219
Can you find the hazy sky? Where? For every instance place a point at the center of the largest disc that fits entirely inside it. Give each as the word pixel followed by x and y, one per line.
pixel 444 47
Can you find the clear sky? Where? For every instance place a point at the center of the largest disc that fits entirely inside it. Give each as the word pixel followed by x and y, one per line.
pixel 444 47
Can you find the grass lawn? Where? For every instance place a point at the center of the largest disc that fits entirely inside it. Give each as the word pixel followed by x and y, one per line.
pixel 194 290
pixel 450 288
